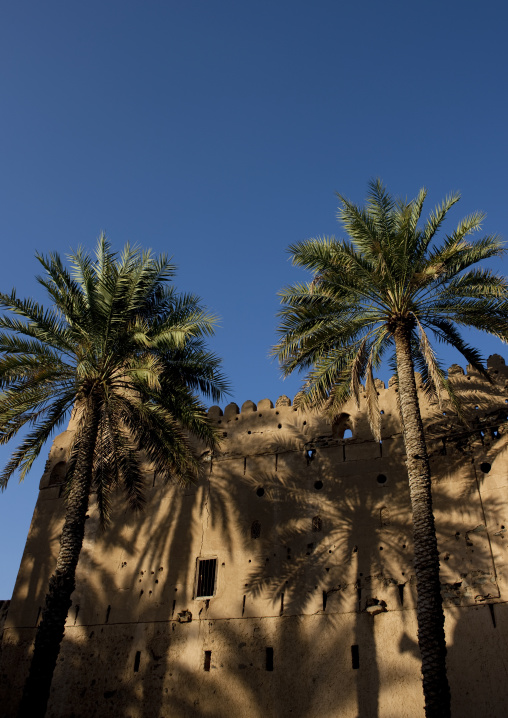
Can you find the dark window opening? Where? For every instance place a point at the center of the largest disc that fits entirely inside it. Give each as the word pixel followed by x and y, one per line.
pixel 355 657
pixel 260 492
pixel 381 479
pixel 137 661
pixel 206 577
pixel 269 658
pixel 401 593
pixel 492 614
pixel 318 485
pixel 208 658
pixel 485 467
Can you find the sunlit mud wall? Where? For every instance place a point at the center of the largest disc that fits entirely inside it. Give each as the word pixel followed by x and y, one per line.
pixel 310 611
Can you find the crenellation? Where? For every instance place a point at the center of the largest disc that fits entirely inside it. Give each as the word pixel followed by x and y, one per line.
pixel 307 521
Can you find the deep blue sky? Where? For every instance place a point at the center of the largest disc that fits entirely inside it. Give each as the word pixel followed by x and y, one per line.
pixel 219 132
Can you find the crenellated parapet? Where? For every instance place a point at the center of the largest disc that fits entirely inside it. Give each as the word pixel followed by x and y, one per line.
pixel 263 427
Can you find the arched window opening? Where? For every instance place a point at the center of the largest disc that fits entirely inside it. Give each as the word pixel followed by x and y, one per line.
pixel 342 427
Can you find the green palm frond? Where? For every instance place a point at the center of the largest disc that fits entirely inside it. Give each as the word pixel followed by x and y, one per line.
pixel 122 345
pixel 390 271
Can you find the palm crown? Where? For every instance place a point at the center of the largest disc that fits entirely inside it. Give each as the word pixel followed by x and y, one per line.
pixel 390 273
pixel 118 338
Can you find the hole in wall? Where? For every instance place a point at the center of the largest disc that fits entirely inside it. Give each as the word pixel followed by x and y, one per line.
pixel 348 434
pixel 492 614
pixel 260 491
pixel 382 411
pixel 381 479
pixel 269 658
pixel 318 485
pixel 401 593
pixel 243 605
pixel 485 467
pixel 279 426
pixel 355 657
pixel 207 661
pixel 137 661
pixel 108 611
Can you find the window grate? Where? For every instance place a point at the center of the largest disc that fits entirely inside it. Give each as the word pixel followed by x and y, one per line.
pixel 206 570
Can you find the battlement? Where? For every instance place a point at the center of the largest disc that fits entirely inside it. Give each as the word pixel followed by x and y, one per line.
pixel 304 522
pixel 496 368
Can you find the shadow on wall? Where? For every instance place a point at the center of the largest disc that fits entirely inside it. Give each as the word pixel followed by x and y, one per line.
pixel 329 550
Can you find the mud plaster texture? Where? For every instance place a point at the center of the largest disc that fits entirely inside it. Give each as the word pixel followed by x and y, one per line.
pixel 312 612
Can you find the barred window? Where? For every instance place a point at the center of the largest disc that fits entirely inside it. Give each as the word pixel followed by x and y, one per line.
pixel 205 577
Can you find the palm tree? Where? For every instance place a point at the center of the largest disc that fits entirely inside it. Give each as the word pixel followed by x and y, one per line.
pixel 385 288
pixel 123 351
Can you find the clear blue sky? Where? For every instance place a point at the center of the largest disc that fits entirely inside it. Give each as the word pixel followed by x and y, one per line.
pixel 218 132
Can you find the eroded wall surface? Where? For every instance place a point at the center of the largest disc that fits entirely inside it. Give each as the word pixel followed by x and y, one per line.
pixel 313 606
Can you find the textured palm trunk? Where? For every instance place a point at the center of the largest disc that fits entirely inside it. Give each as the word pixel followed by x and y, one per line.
pixel 431 636
pixel 62 582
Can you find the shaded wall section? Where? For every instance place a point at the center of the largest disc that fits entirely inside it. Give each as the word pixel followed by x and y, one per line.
pixel 308 604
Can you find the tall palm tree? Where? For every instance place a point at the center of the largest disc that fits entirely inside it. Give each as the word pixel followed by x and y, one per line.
pixel 123 351
pixel 385 288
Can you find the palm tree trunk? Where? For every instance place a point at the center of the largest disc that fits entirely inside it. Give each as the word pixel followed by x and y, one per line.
pixel 431 636
pixel 62 583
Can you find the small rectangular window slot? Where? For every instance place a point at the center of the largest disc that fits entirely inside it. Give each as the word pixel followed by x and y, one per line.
pixel 107 614
pixel 208 658
pixel 492 614
pixel 243 606
pixel 137 661
pixel 325 599
pixel 269 658
pixel 355 657
pixel 205 578
pixel 281 604
pixel 276 461
pixel 38 616
pixel 173 609
pixel 76 614
pixel 244 465
pixel 401 593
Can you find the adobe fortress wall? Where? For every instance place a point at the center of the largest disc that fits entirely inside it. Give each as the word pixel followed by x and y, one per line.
pixel 307 606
